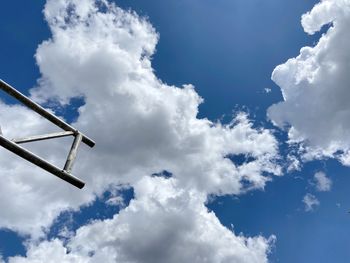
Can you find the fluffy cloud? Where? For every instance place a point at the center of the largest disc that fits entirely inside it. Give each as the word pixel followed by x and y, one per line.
pixel 142 126
pixel 164 223
pixel 323 183
pixel 311 202
pixel 315 86
pixel 31 198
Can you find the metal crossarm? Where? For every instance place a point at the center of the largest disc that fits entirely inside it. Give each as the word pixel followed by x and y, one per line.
pixel 12 145
pixel 40 110
pixel 43 137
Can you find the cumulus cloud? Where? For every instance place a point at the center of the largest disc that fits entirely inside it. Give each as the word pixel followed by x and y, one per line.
pixel 311 202
pixel 31 198
pixel 315 86
pixel 141 126
pixel 322 182
pixel 164 223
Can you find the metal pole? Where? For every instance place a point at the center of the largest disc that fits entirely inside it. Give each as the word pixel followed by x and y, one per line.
pixel 43 112
pixel 27 155
pixel 42 137
pixel 73 153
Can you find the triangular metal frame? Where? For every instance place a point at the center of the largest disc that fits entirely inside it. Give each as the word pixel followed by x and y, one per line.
pixel 13 145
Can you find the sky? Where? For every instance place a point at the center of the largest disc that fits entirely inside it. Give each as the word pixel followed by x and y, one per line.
pixel 220 127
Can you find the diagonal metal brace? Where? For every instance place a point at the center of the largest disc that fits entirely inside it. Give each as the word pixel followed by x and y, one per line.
pixel 43 137
pixel 41 111
pixel 73 153
pixel 31 157
pixel 12 145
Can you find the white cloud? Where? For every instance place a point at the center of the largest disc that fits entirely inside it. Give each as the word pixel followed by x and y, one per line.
pixel 141 126
pixel 165 223
pixel 315 86
pixel 293 163
pixel 311 202
pixel 323 183
pixel 267 90
pixel 30 197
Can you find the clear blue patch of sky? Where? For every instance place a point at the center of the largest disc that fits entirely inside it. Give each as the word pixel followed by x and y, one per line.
pixel 227 49
pixel 70 111
pixel 319 236
pixel 22 28
pixel 100 209
pixel 11 244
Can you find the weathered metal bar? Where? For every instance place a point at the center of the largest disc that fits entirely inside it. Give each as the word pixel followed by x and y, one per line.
pixel 40 110
pixel 27 155
pixel 73 153
pixel 42 137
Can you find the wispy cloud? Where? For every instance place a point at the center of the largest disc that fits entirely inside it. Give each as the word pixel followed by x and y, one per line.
pixel 311 202
pixel 322 182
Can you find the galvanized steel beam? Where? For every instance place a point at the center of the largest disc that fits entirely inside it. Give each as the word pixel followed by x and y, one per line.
pixel 43 112
pixel 12 145
pixel 31 157
pixel 42 137
pixel 73 153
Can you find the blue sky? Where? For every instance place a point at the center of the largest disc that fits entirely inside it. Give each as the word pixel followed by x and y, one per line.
pixel 228 51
